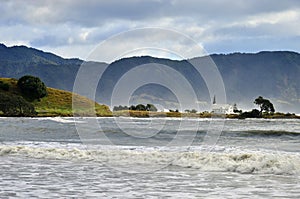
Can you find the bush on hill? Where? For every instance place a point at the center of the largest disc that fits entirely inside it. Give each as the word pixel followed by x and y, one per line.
pixel 14 105
pixel 4 86
pixel 32 87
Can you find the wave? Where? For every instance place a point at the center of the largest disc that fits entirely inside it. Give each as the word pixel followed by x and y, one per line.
pixel 262 133
pixel 241 162
pixel 57 119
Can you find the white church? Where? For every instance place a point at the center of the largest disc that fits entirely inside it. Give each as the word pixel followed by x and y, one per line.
pixel 222 108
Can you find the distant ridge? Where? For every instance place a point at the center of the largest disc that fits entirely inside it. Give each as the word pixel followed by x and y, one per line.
pixel 32 55
pixel 273 74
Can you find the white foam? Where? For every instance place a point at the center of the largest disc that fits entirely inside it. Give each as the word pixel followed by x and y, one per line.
pixel 239 161
pixel 57 119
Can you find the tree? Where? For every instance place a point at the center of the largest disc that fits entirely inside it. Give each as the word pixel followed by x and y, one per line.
pixel 193 111
pixel 140 107
pixel 151 107
pixel 32 87
pixel 252 114
pixel 264 104
pixel 120 108
pixel 132 108
pixel 14 105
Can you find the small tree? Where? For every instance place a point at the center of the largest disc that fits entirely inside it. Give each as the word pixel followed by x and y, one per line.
pixel 32 87
pixel 264 104
pixel 193 111
pixel 132 108
pixel 120 108
pixel 151 107
pixel 140 107
pixel 14 105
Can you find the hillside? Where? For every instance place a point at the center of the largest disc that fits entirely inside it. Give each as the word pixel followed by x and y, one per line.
pixel 23 54
pixel 274 75
pixel 246 76
pixel 59 102
pixel 271 74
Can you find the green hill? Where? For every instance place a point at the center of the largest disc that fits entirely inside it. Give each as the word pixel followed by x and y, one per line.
pixel 59 102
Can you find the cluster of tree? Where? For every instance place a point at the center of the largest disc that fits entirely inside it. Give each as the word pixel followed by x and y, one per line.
pixel 120 108
pixel 250 114
pixel 264 104
pixel 265 107
pixel 32 87
pixel 191 111
pixel 14 105
pixel 139 107
pixel 174 111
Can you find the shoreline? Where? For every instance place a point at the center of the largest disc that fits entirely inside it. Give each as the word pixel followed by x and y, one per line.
pixel 147 114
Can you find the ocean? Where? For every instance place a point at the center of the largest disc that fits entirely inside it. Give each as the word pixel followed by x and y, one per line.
pixel 149 158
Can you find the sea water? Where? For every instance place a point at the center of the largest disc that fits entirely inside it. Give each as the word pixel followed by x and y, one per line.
pixel 149 158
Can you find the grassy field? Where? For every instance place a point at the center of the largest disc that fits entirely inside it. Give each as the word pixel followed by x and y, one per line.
pixel 59 102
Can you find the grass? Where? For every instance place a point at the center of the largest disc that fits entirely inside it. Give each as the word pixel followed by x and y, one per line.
pixel 278 115
pixel 59 103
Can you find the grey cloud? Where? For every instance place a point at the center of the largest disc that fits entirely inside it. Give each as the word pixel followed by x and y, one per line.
pixel 64 24
pixel 95 13
pixel 49 40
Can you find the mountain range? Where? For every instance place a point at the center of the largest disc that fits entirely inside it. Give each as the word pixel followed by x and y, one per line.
pixel 273 75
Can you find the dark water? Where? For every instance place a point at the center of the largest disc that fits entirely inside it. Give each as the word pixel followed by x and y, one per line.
pixel 149 158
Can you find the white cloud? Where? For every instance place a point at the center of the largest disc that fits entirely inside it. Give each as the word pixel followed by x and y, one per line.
pixel 275 18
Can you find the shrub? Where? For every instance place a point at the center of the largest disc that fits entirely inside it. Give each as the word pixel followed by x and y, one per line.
pixel 4 86
pixel 151 107
pixel 32 87
pixel 140 107
pixel 13 105
pixel 252 114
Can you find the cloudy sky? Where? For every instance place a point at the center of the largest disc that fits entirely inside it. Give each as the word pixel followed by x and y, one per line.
pixel 73 28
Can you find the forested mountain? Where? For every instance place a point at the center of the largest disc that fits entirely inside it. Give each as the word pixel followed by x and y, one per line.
pixel 274 75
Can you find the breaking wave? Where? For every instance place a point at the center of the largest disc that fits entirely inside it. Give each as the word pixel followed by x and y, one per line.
pixel 240 161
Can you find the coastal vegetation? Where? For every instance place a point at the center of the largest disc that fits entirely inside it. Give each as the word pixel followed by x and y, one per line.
pixel 264 105
pixel 50 102
pixel 267 110
pixel 139 107
pixel 29 97
pixel 32 87
pixel 14 105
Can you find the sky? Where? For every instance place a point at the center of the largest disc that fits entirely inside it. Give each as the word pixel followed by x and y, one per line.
pixel 74 28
